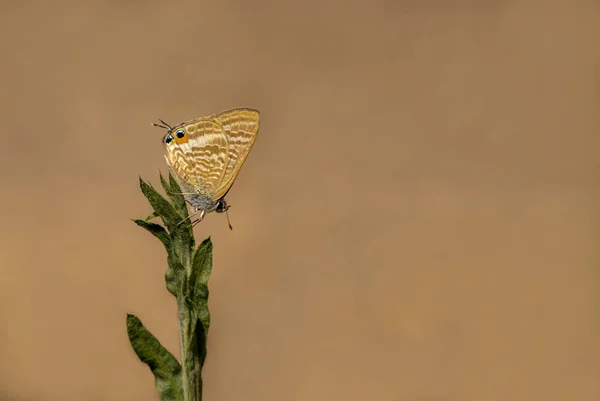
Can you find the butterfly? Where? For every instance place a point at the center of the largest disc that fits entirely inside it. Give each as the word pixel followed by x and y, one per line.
pixel 206 154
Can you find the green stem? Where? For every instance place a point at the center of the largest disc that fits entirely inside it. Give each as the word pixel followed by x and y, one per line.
pixel 190 363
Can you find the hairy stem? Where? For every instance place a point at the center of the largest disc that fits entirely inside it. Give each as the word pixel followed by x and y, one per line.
pixel 190 364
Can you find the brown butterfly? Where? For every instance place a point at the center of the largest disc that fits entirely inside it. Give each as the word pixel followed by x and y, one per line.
pixel 207 153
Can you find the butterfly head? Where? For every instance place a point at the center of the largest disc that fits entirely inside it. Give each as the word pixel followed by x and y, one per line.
pixel 222 206
pixel 175 136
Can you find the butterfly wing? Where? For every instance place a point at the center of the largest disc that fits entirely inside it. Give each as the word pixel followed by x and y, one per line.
pixel 199 157
pixel 240 127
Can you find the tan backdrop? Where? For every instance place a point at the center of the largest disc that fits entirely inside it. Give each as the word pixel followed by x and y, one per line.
pixel 418 220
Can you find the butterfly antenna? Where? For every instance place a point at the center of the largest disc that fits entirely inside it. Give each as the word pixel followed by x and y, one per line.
pixel 228 222
pixel 159 126
pixel 164 125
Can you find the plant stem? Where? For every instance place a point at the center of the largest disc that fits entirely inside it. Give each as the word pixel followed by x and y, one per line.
pixel 190 364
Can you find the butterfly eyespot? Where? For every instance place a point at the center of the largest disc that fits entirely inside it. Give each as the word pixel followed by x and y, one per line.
pixel 168 138
pixel 180 134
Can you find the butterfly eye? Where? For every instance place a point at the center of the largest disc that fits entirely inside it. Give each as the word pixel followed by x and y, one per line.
pixel 168 138
pixel 180 134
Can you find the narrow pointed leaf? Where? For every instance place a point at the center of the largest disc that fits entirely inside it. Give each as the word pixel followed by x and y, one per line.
pixel 203 261
pixel 198 290
pixel 175 274
pixel 200 337
pixel 165 186
pixel 158 231
pixel 183 243
pixel 174 194
pixel 174 191
pixel 201 306
pixel 164 366
pixel 183 234
pixel 173 282
pixel 161 206
pixel 153 215
pixel 178 198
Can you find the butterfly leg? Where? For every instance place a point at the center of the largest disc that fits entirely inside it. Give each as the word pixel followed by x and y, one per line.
pixel 192 215
pixel 198 220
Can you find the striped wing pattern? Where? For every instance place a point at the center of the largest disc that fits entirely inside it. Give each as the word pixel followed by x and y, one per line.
pixel 208 157
pixel 240 127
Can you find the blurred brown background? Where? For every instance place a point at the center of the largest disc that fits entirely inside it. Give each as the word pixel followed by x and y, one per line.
pixel 418 219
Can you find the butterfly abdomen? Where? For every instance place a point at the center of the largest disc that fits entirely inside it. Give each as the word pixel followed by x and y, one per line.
pixel 200 202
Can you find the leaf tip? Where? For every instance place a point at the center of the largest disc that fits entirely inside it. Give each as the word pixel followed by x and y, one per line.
pixel 131 321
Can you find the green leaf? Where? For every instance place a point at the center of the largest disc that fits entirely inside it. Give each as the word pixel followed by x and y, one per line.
pixel 178 198
pixel 158 231
pixel 182 234
pixel 202 263
pixel 183 243
pixel 164 366
pixel 178 238
pixel 165 185
pixel 153 215
pixel 200 337
pixel 198 290
pixel 161 206
pixel 174 191
pixel 201 306
pixel 174 275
